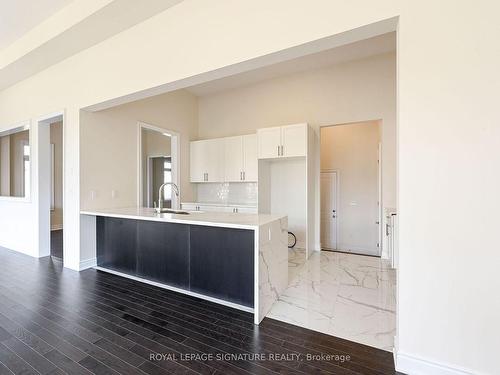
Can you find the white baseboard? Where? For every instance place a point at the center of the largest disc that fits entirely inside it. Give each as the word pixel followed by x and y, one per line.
pixel 89 263
pixel 56 227
pixel 413 365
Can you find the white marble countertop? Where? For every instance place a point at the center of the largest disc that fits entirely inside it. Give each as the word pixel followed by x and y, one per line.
pixel 222 204
pixel 214 219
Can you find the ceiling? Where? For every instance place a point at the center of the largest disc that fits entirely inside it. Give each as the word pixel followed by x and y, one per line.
pixel 70 26
pixel 359 50
pixel 17 17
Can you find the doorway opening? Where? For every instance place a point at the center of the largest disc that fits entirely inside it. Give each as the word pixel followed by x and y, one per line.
pixel 350 188
pixel 158 164
pixel 50 142
pixel 56 191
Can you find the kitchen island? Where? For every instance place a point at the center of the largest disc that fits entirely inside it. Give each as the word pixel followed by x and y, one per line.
pixel 238 260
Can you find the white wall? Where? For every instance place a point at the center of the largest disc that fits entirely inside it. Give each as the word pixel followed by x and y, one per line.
pixel 352 151
pixel 448 58
pixel 353 91
pixel 108 147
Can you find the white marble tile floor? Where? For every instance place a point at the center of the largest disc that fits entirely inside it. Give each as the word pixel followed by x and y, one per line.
pixel 344 295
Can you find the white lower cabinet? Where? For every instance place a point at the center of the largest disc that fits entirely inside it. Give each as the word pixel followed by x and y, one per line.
pixel 246 210
pixel 215 208
pixel 190 207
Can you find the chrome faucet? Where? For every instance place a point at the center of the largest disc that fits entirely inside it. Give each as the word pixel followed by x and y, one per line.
pixel 175 189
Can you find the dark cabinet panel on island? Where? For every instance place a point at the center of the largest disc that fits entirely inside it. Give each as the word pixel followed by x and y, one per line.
pixel 222 263
pixel 163 252
pixel 212 261
pixel 117 244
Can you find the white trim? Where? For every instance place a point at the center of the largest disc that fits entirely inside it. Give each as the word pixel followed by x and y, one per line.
pixel 56 227
pixel 174 154
pixel 178 290
pixel 86 264
pixel 414 365
pixel 380 197
pixel 52 177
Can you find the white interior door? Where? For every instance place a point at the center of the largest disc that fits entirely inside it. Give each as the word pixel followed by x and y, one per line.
pixel 328 210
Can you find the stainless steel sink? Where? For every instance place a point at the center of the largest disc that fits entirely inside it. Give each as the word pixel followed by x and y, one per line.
pixel 170 211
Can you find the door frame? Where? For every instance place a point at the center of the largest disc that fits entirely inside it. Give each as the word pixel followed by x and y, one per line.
pixel 337 194
pixel 174 154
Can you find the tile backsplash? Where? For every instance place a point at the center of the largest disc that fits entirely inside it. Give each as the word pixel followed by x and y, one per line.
pixel 228 193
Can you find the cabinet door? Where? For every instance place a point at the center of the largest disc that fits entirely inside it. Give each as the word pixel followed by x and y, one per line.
pixel 197 150
pixel 250 158
pixel 163 252
pixel 233 159
pixel 212 208
pixel 222 263
pixel 189 206
pixel 247 210
pixel 117 244
pixel 269 142
pixel 294 138
pixel 214 160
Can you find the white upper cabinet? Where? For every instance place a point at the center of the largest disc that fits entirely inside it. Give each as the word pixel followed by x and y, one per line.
pixel 269 142
pixel 197 171
pixel 283 141
pixel 233 157
pixel 294 140
pixel 250 158
pixel 207 160
pixel 230 159
pixel 241 162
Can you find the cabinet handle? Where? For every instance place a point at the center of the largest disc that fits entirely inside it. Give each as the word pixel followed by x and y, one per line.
pixel 244 176
pixel 281 150
pixel 278 150
pixel 241 176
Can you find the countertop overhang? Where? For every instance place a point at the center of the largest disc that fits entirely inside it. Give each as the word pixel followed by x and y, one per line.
pixel 214 219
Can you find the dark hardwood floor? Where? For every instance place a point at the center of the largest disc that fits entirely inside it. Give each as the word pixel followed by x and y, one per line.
pixel 55 321
pixel 56 243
